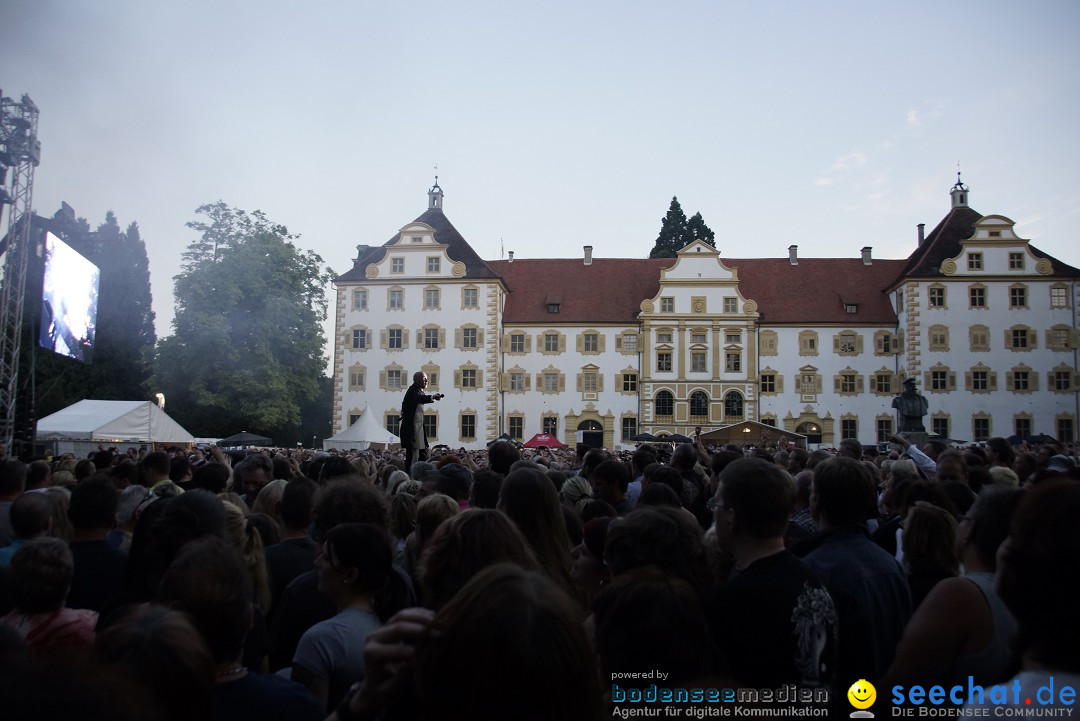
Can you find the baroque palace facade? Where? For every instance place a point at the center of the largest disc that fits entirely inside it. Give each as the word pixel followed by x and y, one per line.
pixel 603 349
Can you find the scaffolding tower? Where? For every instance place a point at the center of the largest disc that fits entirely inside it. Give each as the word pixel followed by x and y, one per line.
pixel 20 153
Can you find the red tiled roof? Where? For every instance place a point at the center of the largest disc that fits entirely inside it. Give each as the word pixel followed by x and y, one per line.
pixel 608 291
pixel 817 289
pixel 611 290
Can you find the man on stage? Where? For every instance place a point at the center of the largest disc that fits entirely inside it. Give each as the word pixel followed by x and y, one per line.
pixel 413 437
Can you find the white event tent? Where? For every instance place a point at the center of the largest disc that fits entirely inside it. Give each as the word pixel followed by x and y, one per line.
pixel 365 433
pixel 82 427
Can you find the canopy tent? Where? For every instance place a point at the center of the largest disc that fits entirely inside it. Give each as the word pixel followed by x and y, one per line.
pixel 543 440
pixel 365 433
pixel 243 438
pixel 82 427
pixel 752 432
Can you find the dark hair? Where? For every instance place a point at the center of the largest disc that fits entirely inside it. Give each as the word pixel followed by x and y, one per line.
pixel 851 447
pixel 182 519
pixel 642 457
pixel 160 650
pixel 529 499
pixel 990 517
pixel 614 471
pixel 508 618
pixel 209 581
pixel 37 473
pixel 502 455
pixel 845 491
pixel 126 471
pixel 344 501
pixel 676 637
pixel 1038 577
pixel 179 467
pixel 465 545
pixel 158 462
pixel 267 528
pixel 367 548
pixel 762 495
pixel 93 504
pixel 663 537
pixel 296 503
pixel 402 515
pixel 485 489
pixel 1003 450
pixel 658 494
pixel 103 460
pixel 12 476
pixel 667 475
pixel 41 571
pixel 30 515
pixel 212 476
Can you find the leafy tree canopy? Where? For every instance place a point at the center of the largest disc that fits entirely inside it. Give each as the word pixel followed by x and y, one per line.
pixel 676 232
pixel 247 348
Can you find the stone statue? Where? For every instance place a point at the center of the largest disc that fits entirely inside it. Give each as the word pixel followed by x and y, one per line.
pixel 912 408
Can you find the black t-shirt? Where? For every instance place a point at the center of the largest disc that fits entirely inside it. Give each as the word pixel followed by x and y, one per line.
pixel 265 697
pixel 287 560
pixel 98 576
pixel 776 624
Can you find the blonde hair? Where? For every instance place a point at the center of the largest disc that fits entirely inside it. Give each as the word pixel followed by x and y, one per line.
pixel 246 539
pixel 268 499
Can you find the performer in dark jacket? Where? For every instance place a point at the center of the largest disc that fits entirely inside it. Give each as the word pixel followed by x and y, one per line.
pixel 413 438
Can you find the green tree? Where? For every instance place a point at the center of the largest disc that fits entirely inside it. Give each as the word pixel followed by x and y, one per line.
pixel 247 346
pixel 699 231
pixel 121 366
pixel 673 231
pixel 676 232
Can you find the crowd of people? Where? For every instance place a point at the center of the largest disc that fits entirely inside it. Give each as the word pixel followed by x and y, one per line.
pixel 528 584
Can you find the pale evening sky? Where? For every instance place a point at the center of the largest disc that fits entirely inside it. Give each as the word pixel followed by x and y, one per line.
pixel 827 124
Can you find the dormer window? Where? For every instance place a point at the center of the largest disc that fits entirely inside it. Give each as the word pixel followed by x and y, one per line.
pixel 417 239
pixel 553 307
pixel 851 308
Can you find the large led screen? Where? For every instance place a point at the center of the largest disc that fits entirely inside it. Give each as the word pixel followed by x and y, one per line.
pixel 69 301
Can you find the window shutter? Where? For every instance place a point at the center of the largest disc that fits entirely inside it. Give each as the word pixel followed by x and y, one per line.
pixel 817 383
pixel 457 379
pixel 479 379
pixel 600 342
pixel 504 381
pixel 442 338
pixel 894 341
pixel 506 343
pixel 479 337
pixel 580 382
pixel 562 382
pixel 420 338
pixel 618 342
pixel 528 343
pixel 859 387
pixel 1009 381
pixel 1033 381
pixel 1008 338
pixel 459 343
pixel 991 381
pixel 1075 382
pixel 968 380
pixel 836 344
pixel 952 380
pixel 837 383
pixel 528 381
pixel 1033 339
pixel 858 344
pixel 384 339
pixel 927 380
pixel 404 339
pixel 539 380
pixel 779 383
pixel 562 343
pixel 1074 338
pixel 382 380
pixel 599 382
pixel 580 341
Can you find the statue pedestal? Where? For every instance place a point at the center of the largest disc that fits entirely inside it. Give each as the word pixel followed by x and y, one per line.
pixel 917 438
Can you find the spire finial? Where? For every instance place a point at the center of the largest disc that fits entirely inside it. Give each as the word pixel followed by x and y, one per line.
pixel 959 191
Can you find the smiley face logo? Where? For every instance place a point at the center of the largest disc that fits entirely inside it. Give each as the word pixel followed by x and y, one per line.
pixel 862 694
